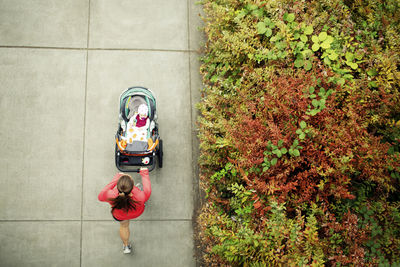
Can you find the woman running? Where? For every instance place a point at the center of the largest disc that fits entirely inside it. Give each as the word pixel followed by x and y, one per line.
pixel 127 201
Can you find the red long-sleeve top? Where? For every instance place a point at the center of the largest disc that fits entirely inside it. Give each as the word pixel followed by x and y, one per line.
pixel 110 191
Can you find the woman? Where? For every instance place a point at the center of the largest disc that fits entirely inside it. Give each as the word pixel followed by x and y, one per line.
pixel 127 201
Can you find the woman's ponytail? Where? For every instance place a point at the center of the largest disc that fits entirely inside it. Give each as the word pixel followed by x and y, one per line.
pixel 124 199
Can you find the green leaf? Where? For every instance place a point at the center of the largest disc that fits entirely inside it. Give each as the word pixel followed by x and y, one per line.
pixel 252 7
pixel 322 36
pixel 304 38
pixel 299 131
pixel 296 152
pixel 333 56
pixel 271 54
pixel 300 56
pixel 313 96
pixel 329 39
pixel 266 163
pixel 315 103
pixel 298 63
pixel 354 66
pixel 315 39
pixel 341 81
pixel 300 45
pixel 325 45
pixel 261 29
pixel 307 65
pixel 302 136
pixel 242 14
pixel 308 30
pixel 313 112
pixel 315 47
pixel 306 52
pixel 278 36
pixel 359 55
pixel 280 45
pixel 296 36
pixel 280 143
pixel 373 84
pixel 372 72
pixel 349 56
pixel 289 17
pixel 284 150
pixel 311 90
pixel 258 13
pixel 214 78
pixel 274 161
pixel 268 32
pixel 303 124
pixel 295 142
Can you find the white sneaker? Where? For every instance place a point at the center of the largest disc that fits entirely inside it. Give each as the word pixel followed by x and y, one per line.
pixel 127 249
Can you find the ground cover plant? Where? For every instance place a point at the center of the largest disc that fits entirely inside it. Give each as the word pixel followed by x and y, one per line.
pixel 299 133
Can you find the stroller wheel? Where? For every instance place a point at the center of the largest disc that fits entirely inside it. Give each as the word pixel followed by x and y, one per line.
pixel 160 154
pixel 117 157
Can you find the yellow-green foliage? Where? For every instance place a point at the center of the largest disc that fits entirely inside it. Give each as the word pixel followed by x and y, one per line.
pixel 279 240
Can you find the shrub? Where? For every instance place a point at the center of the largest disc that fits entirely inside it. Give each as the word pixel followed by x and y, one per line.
pixel 300 122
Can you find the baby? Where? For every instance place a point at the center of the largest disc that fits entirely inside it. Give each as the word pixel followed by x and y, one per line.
pixel 138 125
pixel 141 118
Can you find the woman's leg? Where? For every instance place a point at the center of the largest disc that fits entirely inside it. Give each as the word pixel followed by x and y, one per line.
pixel 124 232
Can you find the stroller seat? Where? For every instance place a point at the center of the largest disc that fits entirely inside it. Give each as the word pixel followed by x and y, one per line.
pixel 137 139
pixel 130 137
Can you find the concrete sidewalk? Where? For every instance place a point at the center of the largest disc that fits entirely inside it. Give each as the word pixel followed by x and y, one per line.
pixel 63 65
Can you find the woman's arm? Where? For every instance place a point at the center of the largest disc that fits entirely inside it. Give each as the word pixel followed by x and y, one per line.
pixel 144 172
pixel 105 193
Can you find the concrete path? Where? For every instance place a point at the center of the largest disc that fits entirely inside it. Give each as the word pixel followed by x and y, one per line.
pixel 63 65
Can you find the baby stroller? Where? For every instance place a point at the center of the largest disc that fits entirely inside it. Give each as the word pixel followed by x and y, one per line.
pixel 137 147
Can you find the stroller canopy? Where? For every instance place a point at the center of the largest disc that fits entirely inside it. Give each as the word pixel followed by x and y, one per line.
pixel 132 98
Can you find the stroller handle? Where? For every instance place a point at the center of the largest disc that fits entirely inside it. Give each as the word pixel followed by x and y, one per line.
pixel 120 168
pixel 136 170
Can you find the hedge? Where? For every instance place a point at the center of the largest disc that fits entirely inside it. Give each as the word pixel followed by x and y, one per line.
pixel 300 133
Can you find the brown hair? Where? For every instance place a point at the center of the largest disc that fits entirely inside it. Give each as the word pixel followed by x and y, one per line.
pixel 123 201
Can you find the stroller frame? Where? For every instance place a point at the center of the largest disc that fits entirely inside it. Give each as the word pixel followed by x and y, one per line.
pixel 125 159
